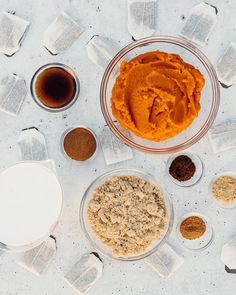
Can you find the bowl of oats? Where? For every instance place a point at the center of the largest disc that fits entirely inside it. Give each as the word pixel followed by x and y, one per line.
pixel 125 214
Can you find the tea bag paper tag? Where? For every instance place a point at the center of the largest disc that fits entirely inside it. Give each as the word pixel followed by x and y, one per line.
pixel 228 254
pixel 38 259
pixel 113 149
pixel 223 136
pixel 226 66
pixel 165 261
pixel 32 145
pixel 12 30
pixel 85 273
pixel 199 24
pixel 12 94
pixel 100 51
pixel 142 15
pixel 61 34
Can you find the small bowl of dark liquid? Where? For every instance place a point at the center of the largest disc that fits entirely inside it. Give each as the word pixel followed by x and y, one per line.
pixel 55 87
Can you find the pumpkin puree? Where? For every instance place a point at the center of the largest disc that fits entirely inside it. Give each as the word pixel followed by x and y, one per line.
pixel 157 95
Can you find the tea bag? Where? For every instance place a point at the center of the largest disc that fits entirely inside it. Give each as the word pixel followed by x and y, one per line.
pixel 38 259
pixel 228 255
pixel 32 145
pixel 142 15
pixel 12 94
pixel 226 66
pixel 61 34
pixel 12 30
pixel 223 136
pixel 113 149
pixel 165 261
pixel 85 273
pixel 200 23
pixel 100 51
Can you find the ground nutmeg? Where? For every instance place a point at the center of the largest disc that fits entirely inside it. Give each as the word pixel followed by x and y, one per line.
pixel 193 227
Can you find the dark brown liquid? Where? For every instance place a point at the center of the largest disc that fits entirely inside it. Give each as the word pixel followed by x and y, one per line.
pixel 55 87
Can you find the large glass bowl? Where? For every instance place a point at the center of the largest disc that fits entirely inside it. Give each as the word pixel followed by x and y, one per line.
pixel 91 236
pixel 210 97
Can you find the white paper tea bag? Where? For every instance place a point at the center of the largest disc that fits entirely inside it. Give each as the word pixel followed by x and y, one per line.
pixel 199 24
pixel 100 51
pixel 228 254
pixel 61 34
pixel 223 136
pixel 85 273
pixel 32 145
pixel 142 15
pixel 113 149
pixel 12 94
pixel 12 30
pixel 165 261
pixel 38 259
pixel 226 66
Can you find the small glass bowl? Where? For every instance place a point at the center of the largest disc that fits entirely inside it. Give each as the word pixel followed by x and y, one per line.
pixel 91 236
pixel 224 205
pixel 210 97
pixel 38 101
pixel 62 144
pixel 197 244
pixel 197 175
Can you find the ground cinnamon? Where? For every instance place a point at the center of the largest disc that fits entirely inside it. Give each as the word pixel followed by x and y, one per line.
pixel 193 227
pixel 80 144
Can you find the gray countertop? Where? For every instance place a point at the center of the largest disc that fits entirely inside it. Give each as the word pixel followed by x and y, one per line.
pixel 202 272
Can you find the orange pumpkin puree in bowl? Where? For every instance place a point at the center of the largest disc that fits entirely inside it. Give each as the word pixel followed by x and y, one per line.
pixel 157 95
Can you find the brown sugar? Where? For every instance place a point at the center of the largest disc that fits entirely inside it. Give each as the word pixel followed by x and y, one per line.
pixel 193 227
pixel 80 144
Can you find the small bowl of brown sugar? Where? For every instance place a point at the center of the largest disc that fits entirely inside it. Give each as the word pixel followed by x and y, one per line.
pixel 184 169
pixel 223 189
pixel 79 143
pixel 194 231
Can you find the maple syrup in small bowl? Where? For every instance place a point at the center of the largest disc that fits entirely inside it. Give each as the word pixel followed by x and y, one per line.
pixel 55 87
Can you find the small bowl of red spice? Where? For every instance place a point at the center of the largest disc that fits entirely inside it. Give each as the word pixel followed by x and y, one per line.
pixel 184 169
pixel 79 144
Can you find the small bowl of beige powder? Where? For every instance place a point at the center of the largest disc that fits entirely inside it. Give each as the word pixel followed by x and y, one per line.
pixel 223 189
pixel 126 215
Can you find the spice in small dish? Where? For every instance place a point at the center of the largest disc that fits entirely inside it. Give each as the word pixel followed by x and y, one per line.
pixel 193 227
pixel 184 169
pixel 79 144
pixel 224 189
pixel 195 231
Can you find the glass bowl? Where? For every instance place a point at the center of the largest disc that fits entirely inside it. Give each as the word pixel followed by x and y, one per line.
pixel 210 97
pixel 33 88
pixel 91 236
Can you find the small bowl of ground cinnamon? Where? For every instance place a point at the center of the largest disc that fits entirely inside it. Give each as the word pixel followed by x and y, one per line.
pixel 194 231
pixel 184 169
pixel 79 143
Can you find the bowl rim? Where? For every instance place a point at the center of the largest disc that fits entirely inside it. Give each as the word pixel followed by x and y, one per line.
pixel 166 197
pixel 49 66
pixel 179 41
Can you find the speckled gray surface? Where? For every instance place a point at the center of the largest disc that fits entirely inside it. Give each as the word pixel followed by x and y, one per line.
pixel 203 272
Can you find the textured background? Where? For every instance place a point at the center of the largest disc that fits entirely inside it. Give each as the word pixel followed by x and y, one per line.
pixel 202 273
